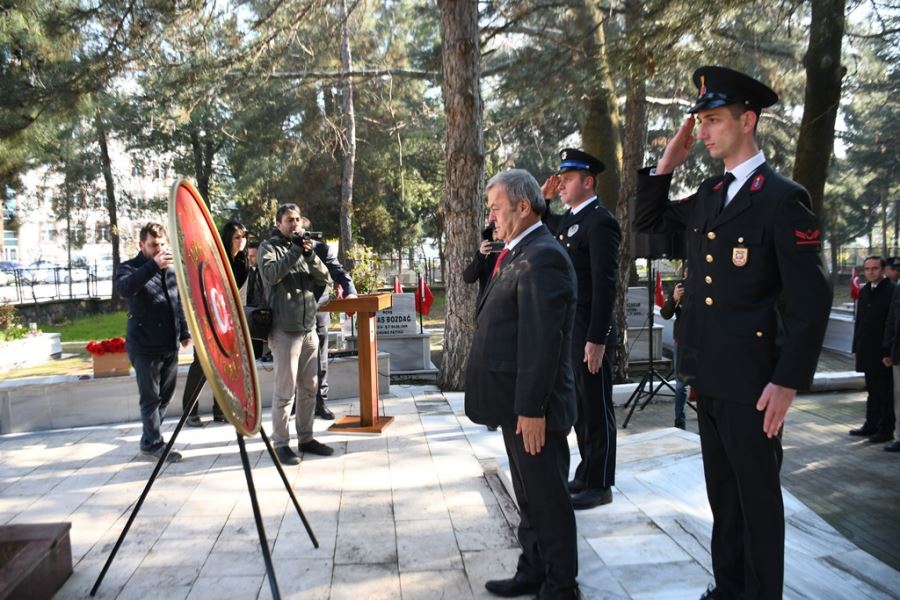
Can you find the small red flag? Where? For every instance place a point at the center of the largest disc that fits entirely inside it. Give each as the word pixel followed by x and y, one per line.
pixel 660 296
pixel 424 297
pixel 398 289
pixel 854 284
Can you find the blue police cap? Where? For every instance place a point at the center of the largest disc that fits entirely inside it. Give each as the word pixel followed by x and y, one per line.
pixel 721 86
pixel 571 159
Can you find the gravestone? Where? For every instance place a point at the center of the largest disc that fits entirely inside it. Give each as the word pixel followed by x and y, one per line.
pixel 637 307
pixel 399 335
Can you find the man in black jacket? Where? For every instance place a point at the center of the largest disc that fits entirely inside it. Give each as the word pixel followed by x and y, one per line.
pixel 757 276
pixel 590 234
pixel 341 279
pixel 156 327
pixel 868 336
pixel 519 376
pixel 483 262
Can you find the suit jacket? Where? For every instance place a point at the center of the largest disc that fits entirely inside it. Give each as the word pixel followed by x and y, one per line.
pixel 480 270
pixel 520 363
pixel 156 321
pixel 891 342
pixel 868 329
pixel 335 269
pixel 763 247
pixel 591 238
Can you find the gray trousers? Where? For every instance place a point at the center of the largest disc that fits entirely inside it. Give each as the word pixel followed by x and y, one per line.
pixel 295 357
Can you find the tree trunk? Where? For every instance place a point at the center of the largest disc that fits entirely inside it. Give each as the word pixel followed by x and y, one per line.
pixel 106 167
pixel 884 224
pixel 896 225
pixel 824 73
pixel 635 137
pixel 464 178
pixel 600 133
pixel 349 138
pixel 203 151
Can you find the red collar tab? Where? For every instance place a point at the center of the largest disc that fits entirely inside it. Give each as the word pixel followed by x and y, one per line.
pixel 757 183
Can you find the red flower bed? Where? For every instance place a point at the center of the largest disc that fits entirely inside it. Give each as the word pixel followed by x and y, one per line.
pixel 110 346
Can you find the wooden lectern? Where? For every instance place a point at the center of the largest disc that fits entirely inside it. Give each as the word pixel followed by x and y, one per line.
pixel 365 308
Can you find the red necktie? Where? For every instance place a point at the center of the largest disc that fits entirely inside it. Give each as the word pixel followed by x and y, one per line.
pixel 499 262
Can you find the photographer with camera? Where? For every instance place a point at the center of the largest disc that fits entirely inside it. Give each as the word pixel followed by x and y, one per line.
pixel 291 271
pixel 672 308
pixel 482 264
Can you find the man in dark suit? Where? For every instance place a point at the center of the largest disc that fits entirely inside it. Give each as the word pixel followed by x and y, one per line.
pixel 590 235
pixel 868 336
pixel 341 279
pixel 519 376
pixel 156 326
pixel 483 262
pixel 756 277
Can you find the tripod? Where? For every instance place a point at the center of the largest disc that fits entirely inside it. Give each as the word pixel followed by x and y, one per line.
pixel 257 516
pixel 645 388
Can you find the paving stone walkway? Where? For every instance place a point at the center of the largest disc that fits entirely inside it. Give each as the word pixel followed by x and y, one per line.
pixel 418 512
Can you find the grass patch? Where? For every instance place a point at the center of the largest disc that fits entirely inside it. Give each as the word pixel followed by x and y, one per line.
pixel 93 327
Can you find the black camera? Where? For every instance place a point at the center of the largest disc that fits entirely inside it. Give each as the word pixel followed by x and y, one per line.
pixel 313 235
pixel 497 246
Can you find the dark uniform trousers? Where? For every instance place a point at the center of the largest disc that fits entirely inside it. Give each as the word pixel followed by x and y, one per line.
pixel 595 428
pixel 591 239
pixel 880 401
pixel 547 520
pixel 741 466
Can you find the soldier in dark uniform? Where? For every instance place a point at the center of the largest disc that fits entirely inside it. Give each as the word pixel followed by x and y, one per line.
pixel 868 335
pixel 757 304
pixel 590 234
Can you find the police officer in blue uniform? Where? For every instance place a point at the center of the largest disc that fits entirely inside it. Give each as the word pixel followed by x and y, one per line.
pixel 590 235
pixel 757 304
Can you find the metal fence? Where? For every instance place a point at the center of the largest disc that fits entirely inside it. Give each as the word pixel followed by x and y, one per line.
pixel 30 285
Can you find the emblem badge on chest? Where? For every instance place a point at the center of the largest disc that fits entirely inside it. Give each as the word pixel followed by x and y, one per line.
pixel 572 231
pixel 739 256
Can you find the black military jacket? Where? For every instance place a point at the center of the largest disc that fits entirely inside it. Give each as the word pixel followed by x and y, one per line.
pixel 591 239
pixel 761 250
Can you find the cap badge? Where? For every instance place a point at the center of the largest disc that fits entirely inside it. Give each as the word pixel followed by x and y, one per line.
pixel 702 85
pixel 563 155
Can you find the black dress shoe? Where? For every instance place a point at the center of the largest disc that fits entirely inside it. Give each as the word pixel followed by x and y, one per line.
pixel 880 438
pixel 510 588
pixel 575 486
pixel 679 423
pixel 323 413
pixel 220 419
pixel 316 447
pixel 591 498
pixel 862 431
pixel 286 456
pixel 194 421
pixel 893 446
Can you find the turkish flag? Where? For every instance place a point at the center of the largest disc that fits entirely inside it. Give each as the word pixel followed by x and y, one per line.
pixel 660 296
pixel 854 284
pixel 398 289
pixel 424 297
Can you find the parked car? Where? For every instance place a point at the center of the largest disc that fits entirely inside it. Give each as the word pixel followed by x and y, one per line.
pixel 40 271
pixel 103 269
pixel 8 270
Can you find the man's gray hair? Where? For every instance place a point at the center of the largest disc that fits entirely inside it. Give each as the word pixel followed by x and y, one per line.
pixel 520 185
